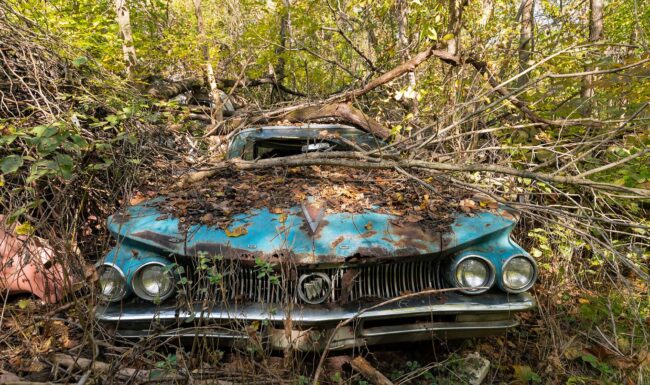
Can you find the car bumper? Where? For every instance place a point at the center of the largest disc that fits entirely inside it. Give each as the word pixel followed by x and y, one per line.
pixel 418 318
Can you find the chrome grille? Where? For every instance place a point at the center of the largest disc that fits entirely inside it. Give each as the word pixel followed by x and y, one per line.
pixel 391 280
pixel 388 280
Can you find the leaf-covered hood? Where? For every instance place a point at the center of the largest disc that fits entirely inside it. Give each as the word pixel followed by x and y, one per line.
pixel 337 238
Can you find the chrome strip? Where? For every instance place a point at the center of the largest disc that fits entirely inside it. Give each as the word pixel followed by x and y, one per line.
pixel 451 303
pixel 381 331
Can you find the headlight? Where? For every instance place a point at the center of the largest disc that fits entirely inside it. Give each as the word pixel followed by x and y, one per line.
pixel 153 281
pixel 111 283
pixel 474 272
pixel 519 274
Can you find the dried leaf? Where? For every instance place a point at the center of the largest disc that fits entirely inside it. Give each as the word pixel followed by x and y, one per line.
pixel 237 232
pixel 467 205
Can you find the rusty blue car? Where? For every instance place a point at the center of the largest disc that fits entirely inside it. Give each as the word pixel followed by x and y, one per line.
pixel 310 275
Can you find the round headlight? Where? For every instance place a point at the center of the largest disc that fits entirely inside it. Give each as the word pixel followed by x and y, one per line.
pixel 153 281
pixel 519 273
pixel 112 284
pixel 474 273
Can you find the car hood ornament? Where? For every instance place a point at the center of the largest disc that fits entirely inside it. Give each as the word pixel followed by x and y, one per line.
pixel 314 210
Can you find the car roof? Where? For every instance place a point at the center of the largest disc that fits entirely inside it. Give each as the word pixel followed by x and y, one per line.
pixel 297 131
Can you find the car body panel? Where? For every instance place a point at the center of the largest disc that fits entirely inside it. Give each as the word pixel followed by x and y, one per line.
pixel 312 239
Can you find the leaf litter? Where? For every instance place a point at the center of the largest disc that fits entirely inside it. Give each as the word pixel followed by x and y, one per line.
pixel 215 201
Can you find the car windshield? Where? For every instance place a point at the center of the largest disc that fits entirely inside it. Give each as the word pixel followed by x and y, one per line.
pixel 279 141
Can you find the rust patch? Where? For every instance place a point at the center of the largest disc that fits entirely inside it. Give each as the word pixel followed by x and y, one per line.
pixel 337 241
pixel 368 234
pixel 307 230
pixel 121 217
pixel 347 283
pixel 226 251
pixel 509 214
pixel 413 236
pixel 159 239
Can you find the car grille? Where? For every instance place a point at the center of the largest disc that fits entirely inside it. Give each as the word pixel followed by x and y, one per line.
pixel 384 281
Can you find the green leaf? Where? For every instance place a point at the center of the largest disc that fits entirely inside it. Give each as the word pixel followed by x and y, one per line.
pixel 24 229
pixel 432 34
pixel 23 303
pixel 44 131
pixel 11 164
pixel 81 60
pixel 63 163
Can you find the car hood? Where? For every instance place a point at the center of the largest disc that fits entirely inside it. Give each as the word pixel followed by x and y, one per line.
pixel 277 237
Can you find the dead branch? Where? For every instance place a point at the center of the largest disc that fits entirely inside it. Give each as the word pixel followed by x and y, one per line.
pixel 407 66
pixel 373 375
pixel 97 366
pixel 328 344
pixel 363 161
pixel 166 90
pixel 344 112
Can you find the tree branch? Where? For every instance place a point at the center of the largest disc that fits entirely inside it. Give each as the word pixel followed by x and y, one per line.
pixel 363 161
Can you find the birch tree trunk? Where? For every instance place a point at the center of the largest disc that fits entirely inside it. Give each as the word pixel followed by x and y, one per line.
pixel 216 113
pixel 124 22
pixel 404 49
pixel 526 37
pixel 488 10
pixel 595 35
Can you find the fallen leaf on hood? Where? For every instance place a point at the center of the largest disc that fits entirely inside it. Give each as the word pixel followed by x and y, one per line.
pixel 137 199
pixel 368 226
pixel 413 218
pixel 237 232
pixel 467 205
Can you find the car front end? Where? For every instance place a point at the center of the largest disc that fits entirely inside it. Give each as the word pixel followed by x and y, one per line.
pixel 308 280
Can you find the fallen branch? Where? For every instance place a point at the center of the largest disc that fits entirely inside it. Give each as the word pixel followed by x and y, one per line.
pixel 328 344
pixel 166 90
pixel 369 372
pixel 361 160
pixel 344 112
pixel 97 366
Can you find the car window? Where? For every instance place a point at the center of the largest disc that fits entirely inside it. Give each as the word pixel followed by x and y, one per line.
pixel 280 141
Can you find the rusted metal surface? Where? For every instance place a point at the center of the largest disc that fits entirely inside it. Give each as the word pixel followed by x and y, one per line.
pixel 338 238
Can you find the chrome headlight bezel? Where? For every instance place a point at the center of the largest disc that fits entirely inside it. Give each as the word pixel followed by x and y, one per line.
pixel 531 281
pixel 487 283
pixel 122 280
pixel 137 284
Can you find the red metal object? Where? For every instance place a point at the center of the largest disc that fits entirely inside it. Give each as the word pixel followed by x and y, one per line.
pixel 27 265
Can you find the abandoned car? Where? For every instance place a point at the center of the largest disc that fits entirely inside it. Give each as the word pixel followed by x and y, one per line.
pixel 287 277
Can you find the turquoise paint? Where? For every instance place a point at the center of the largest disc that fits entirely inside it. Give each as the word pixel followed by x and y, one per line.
pixel 483 233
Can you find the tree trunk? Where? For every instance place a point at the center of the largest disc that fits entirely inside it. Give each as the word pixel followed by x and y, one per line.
pixel 217 105
pixel 124 22
pixel 404 48
pixel 488 10
pixel 526 37
pixel 595 35
pixel 279 75
pixel 455 24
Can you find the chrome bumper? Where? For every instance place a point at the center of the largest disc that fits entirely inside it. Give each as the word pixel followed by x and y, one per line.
pixel 451 316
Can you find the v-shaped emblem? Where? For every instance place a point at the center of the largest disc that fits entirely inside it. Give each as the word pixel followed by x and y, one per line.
pixel 314 210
